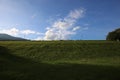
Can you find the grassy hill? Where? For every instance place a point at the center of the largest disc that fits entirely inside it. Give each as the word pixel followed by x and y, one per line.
pixel 6 37
pixel 59 60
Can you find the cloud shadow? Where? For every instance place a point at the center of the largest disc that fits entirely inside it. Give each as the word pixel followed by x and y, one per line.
pixel 13 67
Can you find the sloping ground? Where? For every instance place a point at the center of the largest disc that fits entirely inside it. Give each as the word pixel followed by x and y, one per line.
pixel 6 37
pixel 60 60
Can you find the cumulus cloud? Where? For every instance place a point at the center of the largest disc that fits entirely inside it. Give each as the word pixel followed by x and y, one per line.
pixel 12 31
pixel 63 28
pixel 17 32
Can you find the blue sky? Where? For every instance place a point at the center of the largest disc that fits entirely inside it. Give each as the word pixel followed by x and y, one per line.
pixel 59 19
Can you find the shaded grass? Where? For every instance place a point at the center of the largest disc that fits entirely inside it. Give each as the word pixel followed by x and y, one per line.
pixel 17 68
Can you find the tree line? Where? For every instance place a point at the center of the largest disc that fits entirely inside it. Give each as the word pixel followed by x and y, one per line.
pixel 114 35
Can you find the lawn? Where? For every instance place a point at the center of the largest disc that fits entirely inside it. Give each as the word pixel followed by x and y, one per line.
pixel 59 60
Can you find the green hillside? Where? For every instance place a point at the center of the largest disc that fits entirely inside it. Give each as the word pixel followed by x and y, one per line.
pixel 59 60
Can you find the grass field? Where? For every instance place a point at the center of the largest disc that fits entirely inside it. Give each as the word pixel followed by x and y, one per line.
pixel 59 60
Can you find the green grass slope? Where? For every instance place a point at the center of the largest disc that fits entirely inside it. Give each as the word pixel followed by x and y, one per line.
pixel 60 60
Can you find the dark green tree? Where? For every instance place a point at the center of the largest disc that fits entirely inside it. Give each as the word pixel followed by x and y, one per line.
pixel 114 35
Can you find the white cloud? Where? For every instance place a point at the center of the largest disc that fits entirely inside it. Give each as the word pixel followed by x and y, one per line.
pixel 27 32
pixel 77 13
pixel 18 32
pixel 63 28
pixel 76 28
pixel 12 31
